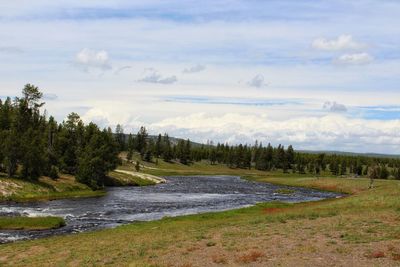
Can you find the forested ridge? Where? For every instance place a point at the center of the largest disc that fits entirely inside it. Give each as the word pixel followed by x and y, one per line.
pixel 33 144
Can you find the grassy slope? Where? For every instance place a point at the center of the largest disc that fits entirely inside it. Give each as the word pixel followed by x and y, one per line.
pixel 360 230
pixel 30 223
pixel 123 179
pixel 45 189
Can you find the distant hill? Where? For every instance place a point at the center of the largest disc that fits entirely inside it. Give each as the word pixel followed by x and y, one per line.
pixel 173 140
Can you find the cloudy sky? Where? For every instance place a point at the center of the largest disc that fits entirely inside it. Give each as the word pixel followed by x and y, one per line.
pixel 315 74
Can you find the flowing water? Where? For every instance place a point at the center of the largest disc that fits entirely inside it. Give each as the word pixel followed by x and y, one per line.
pixel 178 196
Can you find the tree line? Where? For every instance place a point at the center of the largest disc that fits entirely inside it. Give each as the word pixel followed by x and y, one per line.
pixel 32 144
pixel 257 156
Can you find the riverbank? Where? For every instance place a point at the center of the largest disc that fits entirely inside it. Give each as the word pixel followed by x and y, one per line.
pixel 131 178
pixel 65 186
pixel 359 230
pixel 17 190
pixel 31 223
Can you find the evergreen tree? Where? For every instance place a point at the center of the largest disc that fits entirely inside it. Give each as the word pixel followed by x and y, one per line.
pixel 167 150
pixel 383 172
pixel 141 141
pixel 334 166
pixel 290 155
pixel 33 160
pixel 158 147
pixel 99 156
pixel 131 147
pixel 343 168
pixel 120 137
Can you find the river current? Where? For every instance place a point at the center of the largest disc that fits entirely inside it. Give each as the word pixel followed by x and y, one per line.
pixel 180 195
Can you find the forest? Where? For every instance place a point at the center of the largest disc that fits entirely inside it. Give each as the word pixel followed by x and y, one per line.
pixel 257 156
pixel 33 144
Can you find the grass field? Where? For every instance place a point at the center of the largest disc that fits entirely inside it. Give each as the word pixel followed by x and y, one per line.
pixel 30 223
pixel 362 229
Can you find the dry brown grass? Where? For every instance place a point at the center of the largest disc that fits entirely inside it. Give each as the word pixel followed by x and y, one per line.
pixel 376 254
pixel 219 259
pixel 248 257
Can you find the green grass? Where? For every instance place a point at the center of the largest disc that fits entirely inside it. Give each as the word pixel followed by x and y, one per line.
pixel 30 223
pixel 12 189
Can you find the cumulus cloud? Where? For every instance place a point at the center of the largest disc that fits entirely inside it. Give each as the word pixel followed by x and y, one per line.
pixel 98 116
pixel 153 76
pixel 331 131
pixel 194 69
pixel 355 59
pixel 342 42
pixel 257 81
pixel 334 107
pixel 91 59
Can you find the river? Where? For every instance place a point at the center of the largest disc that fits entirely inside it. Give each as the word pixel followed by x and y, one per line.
pixel 180 195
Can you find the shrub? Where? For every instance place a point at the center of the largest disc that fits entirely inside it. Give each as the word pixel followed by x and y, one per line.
pixel 53 173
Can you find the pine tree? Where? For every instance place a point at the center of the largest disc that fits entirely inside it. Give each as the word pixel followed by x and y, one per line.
pixel 98 157
pixel 141 141
pixel 167 150
pixel 383 172
pixel 213 156
pixel 120 137
pixel 158 147
pixel 70 143
pixel 11 151
pixel 33 160
pixel 334 166
pixel 343 168
pixel 131 147
pixel 290 155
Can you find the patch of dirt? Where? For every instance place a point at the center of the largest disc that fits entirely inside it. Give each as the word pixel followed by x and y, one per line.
pixel 144 176
pixel 248 257
pixel 272 210
pixel 8 188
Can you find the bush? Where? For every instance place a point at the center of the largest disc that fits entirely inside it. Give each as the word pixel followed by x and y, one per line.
pixel 137 166
pixel 53 174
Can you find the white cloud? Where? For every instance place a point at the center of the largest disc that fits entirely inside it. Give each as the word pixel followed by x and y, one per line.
pixel 331 131
pixel 92 59
pixel 355 59
pixel 343 42
pixel 194 69
pixel 98 116
pixel 257 81
pixel 153 76
pixel 334 107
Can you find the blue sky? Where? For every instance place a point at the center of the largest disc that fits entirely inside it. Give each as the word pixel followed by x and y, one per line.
pixel 315 74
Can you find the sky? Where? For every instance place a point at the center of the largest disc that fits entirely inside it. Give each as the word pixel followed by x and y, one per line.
pixel 317 74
